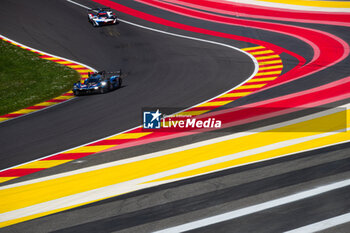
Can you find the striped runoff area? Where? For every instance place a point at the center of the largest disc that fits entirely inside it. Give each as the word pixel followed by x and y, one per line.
pixel 81 69
pixel 270 67
pixel 35 198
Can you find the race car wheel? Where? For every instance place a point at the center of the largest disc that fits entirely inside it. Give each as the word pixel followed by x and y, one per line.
pixel 76 93
pixel 110 86
pixel 102 90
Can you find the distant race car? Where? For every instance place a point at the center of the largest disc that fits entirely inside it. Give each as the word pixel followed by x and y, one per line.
pixel 99 83
pixel 101 16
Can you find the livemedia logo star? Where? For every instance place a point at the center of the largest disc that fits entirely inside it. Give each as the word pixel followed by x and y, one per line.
pixel 151 120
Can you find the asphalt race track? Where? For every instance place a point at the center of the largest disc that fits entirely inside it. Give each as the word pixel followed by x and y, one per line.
pixel 153 76
pixel 168 71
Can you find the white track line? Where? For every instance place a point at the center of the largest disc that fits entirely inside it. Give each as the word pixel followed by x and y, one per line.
pixel 256 69
pixel 323 225
pixel 256 208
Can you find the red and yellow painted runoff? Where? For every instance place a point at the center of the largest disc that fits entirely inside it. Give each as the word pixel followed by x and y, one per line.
pixel 27 200
pixel 270 67
pixel 82 70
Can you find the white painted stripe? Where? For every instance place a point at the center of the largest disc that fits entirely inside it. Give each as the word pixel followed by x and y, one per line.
pixel 256 69
pixel 323 225
pixel 178 149
pixel 256 208
pixel 291 6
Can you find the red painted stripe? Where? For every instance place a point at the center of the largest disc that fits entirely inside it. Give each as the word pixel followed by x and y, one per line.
pixel 111 142
pixel 277 60
pixel 56 100
pixel 267 65
pixel 68 94
pixel 265 76
pixel 19 172
pixel 36 107
pixel 263 55
pixel 200 108
pixel 68 156
pixel 45 56
pixel 257 50
pixel 12 115
pixel 245 90
pixel 82 68
pixel 270 70
pixel 224 99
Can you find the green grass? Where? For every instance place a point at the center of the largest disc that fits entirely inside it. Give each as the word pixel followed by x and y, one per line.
pixel 26 79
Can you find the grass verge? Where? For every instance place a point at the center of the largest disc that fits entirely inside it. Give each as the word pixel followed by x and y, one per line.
pixel 26 79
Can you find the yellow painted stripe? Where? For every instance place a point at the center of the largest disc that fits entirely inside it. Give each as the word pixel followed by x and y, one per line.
pixel 25 111
pixel 261 79
pixel 267 57
pixel 236 94
pixel 268 73
pixel 253 48
pixel 192 113
pixel 51 58
pixel 43 164
pixel 130 135
pixel 64 97
pixel 31 194
pixel 262 52
pixel 270 62
pixel 215 103
pixel 250 86
pixel 87 149
pixel 332 4
pixel 46 104
pixel 76 66
pixel 65 62
pixel 4 118
pixel 84 70
pixel 270 67
pixel 4 179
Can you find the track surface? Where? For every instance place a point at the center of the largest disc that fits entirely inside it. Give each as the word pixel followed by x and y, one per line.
pixel 176 203
pixel 160 70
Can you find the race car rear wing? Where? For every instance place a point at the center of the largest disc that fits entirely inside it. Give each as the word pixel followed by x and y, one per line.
pixel 100 9
pixel 118 72
pixel 115 72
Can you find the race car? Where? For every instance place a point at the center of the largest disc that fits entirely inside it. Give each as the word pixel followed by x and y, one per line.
pixel 99 82
pixel 101 16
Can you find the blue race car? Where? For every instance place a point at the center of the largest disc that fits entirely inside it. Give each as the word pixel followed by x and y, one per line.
pixel 98 83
